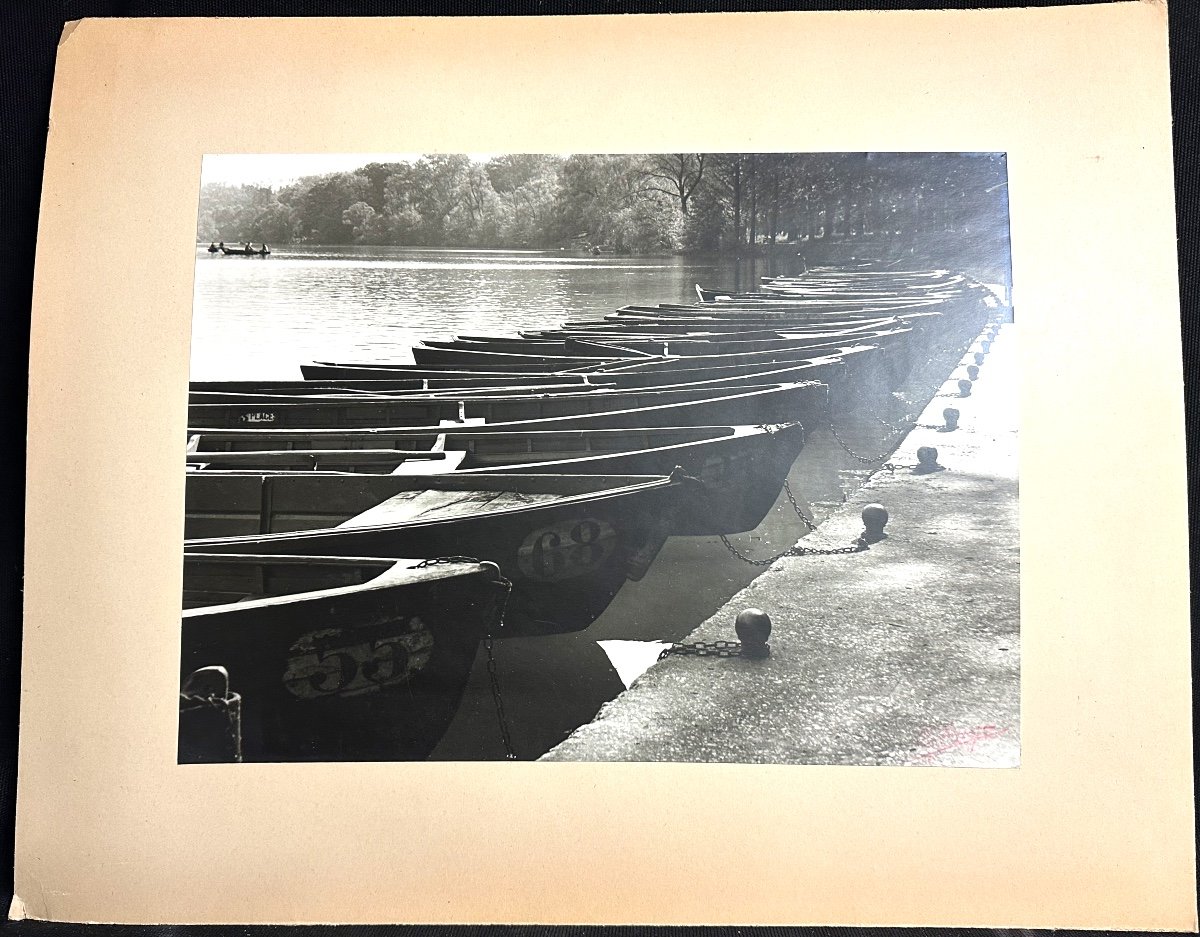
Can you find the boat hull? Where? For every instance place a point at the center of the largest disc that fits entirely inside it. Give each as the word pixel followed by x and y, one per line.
pixel 742 469
pixel 725 406
pixel 566 559
pixel 740 476
pixel 350 673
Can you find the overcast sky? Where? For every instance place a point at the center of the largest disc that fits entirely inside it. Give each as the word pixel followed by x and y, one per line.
pixel 281 168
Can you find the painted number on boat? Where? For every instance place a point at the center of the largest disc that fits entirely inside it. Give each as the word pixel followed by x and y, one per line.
pixel 566 549
pixel 335 662
pixel 258 416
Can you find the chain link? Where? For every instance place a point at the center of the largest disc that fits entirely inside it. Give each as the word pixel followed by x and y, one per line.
pixel 905 423
pixel 496 623
pixel 787 490
pixel 771 429
pixel 510 752
pixel 858 456
pixel 704 649
pixel 444 561
pixel 857 547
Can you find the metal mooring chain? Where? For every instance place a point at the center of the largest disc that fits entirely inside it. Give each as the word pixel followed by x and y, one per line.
pixel 493 680
pixel 858 456
pixel 704 649
pixel 497 622
pixel 787 490
pixel 772 430
pixel 857 547
pixel 444 561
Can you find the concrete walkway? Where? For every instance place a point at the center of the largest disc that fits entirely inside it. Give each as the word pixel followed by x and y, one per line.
pixel 906 654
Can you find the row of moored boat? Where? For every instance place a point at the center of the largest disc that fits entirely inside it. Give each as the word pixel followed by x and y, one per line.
pixel 353 536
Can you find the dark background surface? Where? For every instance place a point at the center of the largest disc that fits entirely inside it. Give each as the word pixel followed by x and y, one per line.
pixel 28 38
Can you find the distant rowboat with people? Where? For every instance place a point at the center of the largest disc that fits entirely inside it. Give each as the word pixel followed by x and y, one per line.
pixel 246 251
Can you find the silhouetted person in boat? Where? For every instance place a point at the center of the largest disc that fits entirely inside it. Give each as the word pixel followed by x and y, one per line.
pixel 212 247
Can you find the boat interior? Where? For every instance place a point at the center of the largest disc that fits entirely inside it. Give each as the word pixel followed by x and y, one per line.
pixel 232 504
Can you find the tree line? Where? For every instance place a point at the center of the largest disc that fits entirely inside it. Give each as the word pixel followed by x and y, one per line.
pixel 638 204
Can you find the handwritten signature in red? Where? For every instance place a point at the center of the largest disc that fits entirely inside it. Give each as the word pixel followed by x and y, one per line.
pixel 961 740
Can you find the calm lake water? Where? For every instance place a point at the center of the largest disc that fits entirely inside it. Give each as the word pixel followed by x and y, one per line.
pixel 261 318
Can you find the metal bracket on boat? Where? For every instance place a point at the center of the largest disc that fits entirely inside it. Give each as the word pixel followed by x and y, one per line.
pixel 210 718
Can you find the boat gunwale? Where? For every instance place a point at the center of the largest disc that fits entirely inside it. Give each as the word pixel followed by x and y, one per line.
pixel 392 575
pixel 517 426
pixel 648 483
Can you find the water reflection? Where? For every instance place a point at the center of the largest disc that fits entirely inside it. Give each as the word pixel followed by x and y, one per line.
pixel 255 317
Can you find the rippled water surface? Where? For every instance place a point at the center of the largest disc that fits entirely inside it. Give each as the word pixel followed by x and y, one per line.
pixel 261 317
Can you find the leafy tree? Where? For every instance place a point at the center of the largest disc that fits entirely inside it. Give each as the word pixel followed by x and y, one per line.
pixel 514 170
pixel 474 219
pixel 401 218
pixel 362 220
pixel 917 203
pixel 321 202
pixel 676 175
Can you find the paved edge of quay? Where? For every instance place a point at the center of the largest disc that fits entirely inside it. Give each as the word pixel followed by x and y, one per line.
pixel 905 654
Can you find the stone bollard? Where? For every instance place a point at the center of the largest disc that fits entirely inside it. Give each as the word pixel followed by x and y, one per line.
pixel 979 356
pixel 927 456
pixel 964 388
pixel 874 518
pixel 753 627
pixel 986 346
pixel 973 372
pixel 950 415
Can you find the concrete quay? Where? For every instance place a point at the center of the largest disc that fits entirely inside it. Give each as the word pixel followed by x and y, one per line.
pixel 907 653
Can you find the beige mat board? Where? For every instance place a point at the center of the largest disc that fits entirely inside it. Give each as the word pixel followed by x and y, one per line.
pixel 1094 830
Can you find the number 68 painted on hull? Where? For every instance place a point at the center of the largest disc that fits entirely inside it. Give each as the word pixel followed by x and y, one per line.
pixel 566 549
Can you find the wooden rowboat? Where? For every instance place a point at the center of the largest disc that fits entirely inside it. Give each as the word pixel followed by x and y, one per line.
pixel 827 369
pixel 336 370
pixel 815 368
pixel 332 658
pixel 633 346
pixel 742 468
pixel 412 381
pixel 599 355
pixel 566 542
pixel 722 406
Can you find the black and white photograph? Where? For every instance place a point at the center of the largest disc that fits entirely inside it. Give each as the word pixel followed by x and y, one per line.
pixel 570 447
pixel 700 457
